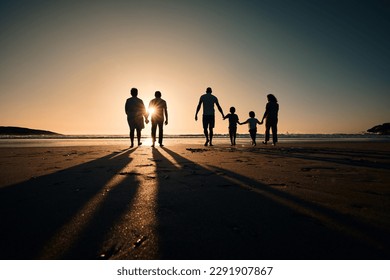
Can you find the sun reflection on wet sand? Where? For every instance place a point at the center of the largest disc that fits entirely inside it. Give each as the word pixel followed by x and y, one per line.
pixel 135 235
pixel 147 142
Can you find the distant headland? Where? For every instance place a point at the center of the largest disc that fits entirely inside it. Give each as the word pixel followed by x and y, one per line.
pixel 383 129
pixel 13 130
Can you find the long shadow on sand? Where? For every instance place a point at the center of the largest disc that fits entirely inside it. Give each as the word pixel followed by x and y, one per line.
pixel 219 214
pixel 366 158
pixel 64 215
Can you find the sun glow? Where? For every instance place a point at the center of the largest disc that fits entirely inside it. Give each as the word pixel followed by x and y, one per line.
pixel 151 111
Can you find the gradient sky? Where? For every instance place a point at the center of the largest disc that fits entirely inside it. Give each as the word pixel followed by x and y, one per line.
pixel 68 66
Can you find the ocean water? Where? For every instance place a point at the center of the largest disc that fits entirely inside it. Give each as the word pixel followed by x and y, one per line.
pixel 194 139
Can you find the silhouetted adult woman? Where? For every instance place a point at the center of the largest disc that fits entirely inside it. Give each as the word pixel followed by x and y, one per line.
pixel 271 116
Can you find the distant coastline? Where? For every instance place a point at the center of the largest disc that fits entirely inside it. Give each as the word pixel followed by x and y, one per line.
pixel 20 131
pixel 11 132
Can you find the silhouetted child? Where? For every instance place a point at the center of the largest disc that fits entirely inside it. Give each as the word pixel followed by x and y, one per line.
pixel 233 121
pixel 252 123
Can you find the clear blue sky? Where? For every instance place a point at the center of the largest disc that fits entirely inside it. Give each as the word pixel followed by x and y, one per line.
pixel 68 66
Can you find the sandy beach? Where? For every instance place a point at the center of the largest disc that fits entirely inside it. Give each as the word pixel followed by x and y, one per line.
pixel 328 200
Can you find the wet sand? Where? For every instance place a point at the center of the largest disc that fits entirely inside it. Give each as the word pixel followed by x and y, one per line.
pixel 294 201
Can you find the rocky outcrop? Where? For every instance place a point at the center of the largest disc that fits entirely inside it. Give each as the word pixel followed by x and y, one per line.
pixel 383 129
pixel 13 130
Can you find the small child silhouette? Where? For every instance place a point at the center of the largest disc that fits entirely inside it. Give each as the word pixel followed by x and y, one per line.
pixel 252 123
pixel 233 121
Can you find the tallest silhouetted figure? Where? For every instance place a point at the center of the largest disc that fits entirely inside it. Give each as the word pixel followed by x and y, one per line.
pixel 208 100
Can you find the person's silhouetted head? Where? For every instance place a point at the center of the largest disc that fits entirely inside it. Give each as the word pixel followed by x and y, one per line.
pixel 157 94
pixel 209 90
pixel 134 92
pixel 251 114
pixel 232 110
pixel 271 98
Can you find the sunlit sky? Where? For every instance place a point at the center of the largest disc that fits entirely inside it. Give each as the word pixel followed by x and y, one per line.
pixel 68 66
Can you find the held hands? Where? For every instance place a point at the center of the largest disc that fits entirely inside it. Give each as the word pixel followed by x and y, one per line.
pixel 146 121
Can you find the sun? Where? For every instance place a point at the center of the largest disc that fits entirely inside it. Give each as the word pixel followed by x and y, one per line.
pixel 151 111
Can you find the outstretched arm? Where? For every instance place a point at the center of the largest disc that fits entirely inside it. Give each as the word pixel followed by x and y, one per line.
pixel 166 115
pixel 219 108
pixel 265 114
pixel 262 120
pixel 197 109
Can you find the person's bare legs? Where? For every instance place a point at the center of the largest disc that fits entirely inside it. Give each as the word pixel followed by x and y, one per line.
pixel 211 136
pixel 131 137
pixel 154 128
pixel 267 133
pixel 139 136
pixel 206 134
pixel 160 134
pixel 274 134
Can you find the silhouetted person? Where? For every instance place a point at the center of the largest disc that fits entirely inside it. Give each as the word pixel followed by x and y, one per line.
pixel 271 116
pixel 160 110
pixel 233 121
pixel 252 124
pixel 208 100
pixel 136 112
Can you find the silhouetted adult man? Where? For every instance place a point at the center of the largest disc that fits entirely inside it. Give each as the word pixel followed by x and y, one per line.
pixel 159 108
pixel 208 100
pixel 136 112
